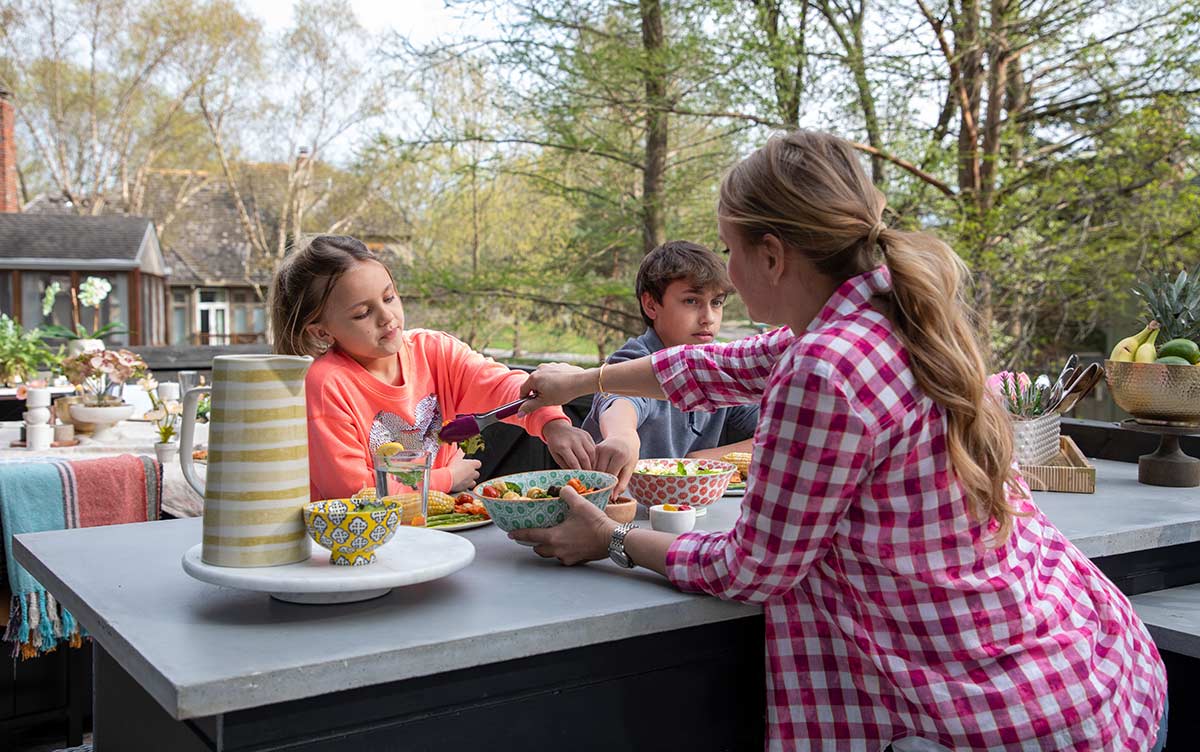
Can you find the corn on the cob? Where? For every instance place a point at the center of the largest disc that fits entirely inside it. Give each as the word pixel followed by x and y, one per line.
pixel 742 460
pixel 440 503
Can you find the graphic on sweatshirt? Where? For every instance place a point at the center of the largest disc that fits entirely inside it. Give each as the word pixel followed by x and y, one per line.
pixel 423 434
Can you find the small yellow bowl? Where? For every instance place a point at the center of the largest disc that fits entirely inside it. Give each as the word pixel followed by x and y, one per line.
pixel 351 534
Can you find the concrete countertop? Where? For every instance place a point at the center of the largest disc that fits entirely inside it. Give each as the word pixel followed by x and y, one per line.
pixel 202 650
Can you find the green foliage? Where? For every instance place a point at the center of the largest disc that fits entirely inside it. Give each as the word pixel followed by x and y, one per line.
pixel 23 353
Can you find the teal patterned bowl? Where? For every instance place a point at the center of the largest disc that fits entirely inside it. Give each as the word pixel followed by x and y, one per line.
pixel 517 515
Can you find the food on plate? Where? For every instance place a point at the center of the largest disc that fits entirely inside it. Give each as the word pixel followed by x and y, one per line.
pixel 439 503
pixel 200 455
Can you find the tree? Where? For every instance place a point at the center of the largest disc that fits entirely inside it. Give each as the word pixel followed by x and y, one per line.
pixel 102 88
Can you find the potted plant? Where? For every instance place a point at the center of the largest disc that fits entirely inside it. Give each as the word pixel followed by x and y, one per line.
pixel 22 352
pixel 100 376
pixel 164 414
pixel 92 292
pixel 1036 429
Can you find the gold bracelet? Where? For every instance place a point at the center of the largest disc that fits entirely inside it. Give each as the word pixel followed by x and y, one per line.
pixel 600 378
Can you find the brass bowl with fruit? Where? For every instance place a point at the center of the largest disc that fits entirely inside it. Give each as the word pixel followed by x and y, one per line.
pixel 1156 393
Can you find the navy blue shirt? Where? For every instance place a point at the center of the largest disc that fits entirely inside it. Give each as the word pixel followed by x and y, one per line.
pixel 665 430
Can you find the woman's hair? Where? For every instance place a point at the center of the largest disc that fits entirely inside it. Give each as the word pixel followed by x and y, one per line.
pixel 810 190
pixel 302 286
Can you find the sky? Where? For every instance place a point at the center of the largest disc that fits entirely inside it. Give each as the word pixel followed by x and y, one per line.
pixel 421 20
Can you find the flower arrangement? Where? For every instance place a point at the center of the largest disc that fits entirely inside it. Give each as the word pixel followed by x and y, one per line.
pixel 1022 397
pixel 100 373
pixel 92 292
pixel 164 414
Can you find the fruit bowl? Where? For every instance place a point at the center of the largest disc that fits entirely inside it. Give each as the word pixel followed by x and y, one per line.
pixel 1156 393
pixel 517 514
pixel 698 490
pixel 351 534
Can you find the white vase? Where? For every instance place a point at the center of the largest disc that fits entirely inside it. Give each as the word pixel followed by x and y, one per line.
pixel 76 346
pixel 166 452
pixel 104 418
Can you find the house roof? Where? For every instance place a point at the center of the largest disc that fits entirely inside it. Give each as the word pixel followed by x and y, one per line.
pixel 58 241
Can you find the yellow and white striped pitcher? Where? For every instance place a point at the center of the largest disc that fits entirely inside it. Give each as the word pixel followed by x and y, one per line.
pixel 257 478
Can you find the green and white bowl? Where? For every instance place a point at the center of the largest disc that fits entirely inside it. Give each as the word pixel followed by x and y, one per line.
pixel 518 515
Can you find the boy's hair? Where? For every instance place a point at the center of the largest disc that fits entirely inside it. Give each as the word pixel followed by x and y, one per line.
pixel 679 259
pixel 302 285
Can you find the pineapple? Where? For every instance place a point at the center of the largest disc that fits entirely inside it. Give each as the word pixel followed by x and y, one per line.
pixel 1174 304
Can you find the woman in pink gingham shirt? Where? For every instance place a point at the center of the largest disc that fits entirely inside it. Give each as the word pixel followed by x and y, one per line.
pixel 912 590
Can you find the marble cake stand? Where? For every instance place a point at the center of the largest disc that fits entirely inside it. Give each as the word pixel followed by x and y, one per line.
pixel 413 555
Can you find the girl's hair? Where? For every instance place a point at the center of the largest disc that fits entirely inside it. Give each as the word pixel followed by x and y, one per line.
pixel 810 191
pixel 302 286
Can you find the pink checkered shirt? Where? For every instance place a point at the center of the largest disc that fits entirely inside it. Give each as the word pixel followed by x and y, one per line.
pixel 887 616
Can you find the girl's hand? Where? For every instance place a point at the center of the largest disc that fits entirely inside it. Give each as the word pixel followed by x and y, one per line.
pixel 556 384
pixel 583 536
pixel 571 447
pixel 463 474
pixel 618 455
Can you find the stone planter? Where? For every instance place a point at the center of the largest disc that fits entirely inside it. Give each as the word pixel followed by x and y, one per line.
pixel 1035 441
pixel 103 418
pixel 166 451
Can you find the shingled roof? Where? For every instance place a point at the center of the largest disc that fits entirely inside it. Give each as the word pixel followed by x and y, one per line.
pixel 29 241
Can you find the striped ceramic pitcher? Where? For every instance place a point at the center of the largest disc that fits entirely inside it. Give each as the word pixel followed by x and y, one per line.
pixel 257 478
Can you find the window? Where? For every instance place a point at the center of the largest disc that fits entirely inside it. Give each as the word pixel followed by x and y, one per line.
pixel 181 329
pixel 212 317
pixel 6 296
pixel 249 317
pixel 33 287
pixel 153 311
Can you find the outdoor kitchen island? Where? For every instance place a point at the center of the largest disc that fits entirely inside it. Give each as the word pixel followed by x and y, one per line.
pixel 513 651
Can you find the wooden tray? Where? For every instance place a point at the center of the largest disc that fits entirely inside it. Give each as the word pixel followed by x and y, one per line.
pixel 1069 471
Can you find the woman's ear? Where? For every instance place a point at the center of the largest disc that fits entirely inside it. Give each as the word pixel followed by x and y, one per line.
pixel 774 257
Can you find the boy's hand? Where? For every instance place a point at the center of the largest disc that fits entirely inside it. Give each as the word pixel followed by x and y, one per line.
pixel 618 455
pixel 463 474
pixel 571 447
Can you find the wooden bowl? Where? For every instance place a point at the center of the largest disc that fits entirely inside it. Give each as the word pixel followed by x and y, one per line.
pixel 621 509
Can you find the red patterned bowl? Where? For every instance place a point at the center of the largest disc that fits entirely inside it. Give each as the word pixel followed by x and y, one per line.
pixel 698 490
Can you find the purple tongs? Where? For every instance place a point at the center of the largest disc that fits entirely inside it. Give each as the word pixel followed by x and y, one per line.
pixel 464 427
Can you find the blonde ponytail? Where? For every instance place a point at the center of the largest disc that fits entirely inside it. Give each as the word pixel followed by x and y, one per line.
pixel 810 190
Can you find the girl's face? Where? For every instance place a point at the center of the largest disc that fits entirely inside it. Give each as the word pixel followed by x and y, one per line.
pixel 744 272
pixel 363 314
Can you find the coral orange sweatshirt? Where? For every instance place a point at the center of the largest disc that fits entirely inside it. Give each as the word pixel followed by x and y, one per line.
pixel 350 412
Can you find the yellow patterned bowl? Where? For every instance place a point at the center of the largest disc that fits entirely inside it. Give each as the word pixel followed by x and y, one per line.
pixel 351 534
pixel 1156 393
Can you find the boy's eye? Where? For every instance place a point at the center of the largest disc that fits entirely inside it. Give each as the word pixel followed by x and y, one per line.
pixel 725 251
pixel 689 301
pixel 718 302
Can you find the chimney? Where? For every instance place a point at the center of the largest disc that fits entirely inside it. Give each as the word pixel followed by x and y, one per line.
pixel 10 199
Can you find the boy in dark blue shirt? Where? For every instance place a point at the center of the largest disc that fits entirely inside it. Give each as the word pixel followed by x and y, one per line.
pixel 681 288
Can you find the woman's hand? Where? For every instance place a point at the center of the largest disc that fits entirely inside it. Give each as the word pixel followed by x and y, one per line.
pixel 618 455
pixel 463 474
pixel 583 536
pixel 556 384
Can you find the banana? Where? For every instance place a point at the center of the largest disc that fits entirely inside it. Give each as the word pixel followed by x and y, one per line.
pixel 1126 349
pixel 1147 352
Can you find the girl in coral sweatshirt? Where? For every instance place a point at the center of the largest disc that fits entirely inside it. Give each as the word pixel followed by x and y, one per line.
pixel 373 382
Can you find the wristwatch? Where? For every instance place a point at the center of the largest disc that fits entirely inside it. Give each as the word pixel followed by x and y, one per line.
pixel 616 546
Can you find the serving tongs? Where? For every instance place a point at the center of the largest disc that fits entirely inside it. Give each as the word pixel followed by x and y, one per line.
pixel 464 427
pixel 1081 382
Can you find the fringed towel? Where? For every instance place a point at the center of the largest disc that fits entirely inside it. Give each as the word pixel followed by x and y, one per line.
pixel 46 493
